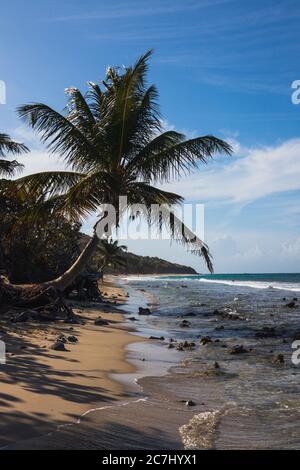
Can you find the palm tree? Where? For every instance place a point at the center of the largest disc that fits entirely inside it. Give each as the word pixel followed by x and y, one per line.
pixel 114 144
pixel 8 146
pixel 111 254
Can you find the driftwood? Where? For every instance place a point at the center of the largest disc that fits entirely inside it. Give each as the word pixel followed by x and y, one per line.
pixel 42 303
pixel 86 287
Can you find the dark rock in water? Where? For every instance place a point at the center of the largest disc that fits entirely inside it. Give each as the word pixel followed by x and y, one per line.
pixel 186 345
pixel 221 327
pixel 191 314
pixel 132 319
pixel 291 305
pixel 266 332
pixel 144 311
pixel 229 314
pixel 295 299
pixel 161 338
pixel 171 346
pixel 283 298
pixel 205 340
pixel 238 350
pixel 296 336
pixel 100 322
pixel 279 359
pixel 185 324
pixel 58 346
pixel 216 365
pixel 72 339
pixel 190 403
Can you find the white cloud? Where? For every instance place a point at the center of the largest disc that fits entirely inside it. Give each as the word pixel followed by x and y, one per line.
pixel 261 172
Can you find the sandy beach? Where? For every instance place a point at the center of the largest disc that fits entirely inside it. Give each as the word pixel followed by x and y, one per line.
pixel 42 388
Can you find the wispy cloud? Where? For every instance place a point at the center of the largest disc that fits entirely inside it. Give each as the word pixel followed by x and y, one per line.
pixel 140 9
pixel 259 173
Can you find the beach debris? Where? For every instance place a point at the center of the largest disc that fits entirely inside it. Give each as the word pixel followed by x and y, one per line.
pixel 58 346
pixel 144 311
pixel 185 324
pixel 20 317
pixel 72 339
pixel 216 365
pixel 161 338
pixel 238 350
pixel 279 359
pixel 205 340
pixel 291 305
pixel 100 322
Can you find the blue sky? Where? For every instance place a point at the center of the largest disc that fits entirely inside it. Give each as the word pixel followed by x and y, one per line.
pixel 223 67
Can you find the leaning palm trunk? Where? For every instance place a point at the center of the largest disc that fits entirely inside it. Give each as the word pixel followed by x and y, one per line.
pixel 69 276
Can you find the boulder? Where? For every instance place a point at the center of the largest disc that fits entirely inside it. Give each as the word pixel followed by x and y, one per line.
pixel 238 350
pixel 279 359
pixel 190 403
pixel 58 346
pixel 185 324
pixel 100 322
pixel 72 339
pixel 205 340
pixel 144 311
pixel 291 305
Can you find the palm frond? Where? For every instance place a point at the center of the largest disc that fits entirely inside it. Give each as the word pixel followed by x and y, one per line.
pixel 158 163
pixel 60 135
pixel 9 168
pixel 9 146
pixel 48 183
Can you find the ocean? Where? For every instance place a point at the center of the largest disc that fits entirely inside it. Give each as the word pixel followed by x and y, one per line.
pixel 231 352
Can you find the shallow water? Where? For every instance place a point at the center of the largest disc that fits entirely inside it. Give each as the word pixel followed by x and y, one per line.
pixel 249 401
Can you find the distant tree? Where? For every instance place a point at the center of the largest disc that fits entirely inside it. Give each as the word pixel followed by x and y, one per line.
pixel 111 255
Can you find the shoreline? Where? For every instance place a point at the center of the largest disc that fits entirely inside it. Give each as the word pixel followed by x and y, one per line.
pixel 43 389
pixel 138 416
